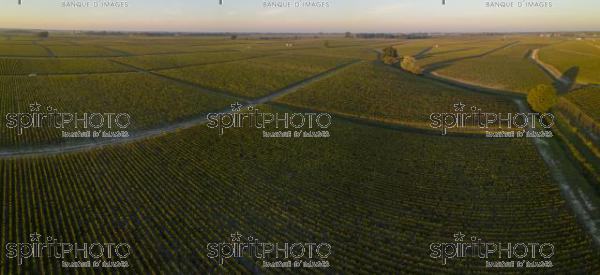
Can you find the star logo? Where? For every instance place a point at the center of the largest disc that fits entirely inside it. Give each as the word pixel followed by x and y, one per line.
pixel 35 107
pixel 35 237
pixel 459 107
pixel 236 107
pixel 236 237
pixel 459 237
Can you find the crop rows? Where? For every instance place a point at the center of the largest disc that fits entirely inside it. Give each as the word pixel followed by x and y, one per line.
pixel 154 62
pixel 508 69
pixel 80 50
pixel 58 66
pixel 374 91
pixel 258 77
pixel 148 100
pixel 330 191
pixel 588 100
pixel 574 55
pixel 21 50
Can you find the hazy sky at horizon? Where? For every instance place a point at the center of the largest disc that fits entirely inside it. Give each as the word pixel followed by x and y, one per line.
pixel 342 15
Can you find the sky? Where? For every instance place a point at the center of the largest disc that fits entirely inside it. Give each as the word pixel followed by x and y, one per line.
pixel 392 16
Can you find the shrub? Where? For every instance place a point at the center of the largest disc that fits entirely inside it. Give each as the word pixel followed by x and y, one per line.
pixel 410 64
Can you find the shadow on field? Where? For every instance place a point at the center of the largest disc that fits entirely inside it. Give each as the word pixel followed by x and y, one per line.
pixel 569 77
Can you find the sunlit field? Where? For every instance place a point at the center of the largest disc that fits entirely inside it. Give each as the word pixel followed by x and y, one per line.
pixel 380 189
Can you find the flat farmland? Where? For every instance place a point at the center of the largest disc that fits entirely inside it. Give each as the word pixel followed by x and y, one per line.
pixel 150 102
pixel 442 55
pixel 574 55
pixel 381 93
pixel 79 50
pixel 508 69
pixel 41 66
pixel 155 62
pixel 349 198
pixel 588 100
pixel 381 189
pixel 258 77
pixel 19 49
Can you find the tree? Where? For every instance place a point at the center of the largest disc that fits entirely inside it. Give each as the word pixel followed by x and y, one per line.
pixel 348 35
pixel 409 64
pixel 233 37
pixel 542 98
pixel 43 34
pixel 326 43
pixel 390 55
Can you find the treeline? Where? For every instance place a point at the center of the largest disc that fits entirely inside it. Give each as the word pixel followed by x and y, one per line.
pixel 391 36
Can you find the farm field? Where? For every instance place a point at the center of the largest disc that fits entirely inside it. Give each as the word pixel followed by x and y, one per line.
pixel 79 50
pixel 440 55
pixel 149 101
pixel 258 77
pixel 578 55
pixel 274 197
pixel 14 49
pixel 381 188
pixel 155 62
pixel 588 100
pixel 377 92
pixel 41 66
pixel 508 69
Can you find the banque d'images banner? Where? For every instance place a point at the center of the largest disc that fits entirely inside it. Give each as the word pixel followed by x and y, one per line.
pixel 299 137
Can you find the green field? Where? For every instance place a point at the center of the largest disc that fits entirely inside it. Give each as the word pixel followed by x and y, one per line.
pixel 149 101
pixel 380 190
pixel 168 213
pixel 374 91
pixel 41 66
pixel 588 100
pixel 579 55
pixel 258 77
pixel 507 69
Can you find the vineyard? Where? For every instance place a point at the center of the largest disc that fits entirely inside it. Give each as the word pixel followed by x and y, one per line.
pixel 381 189
pixel 580 56
pixel 41 66
pixel 149 101
pixel 258 77
pixel 507 69
pixel 169 214
pixel 376 92
pixel 155 62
